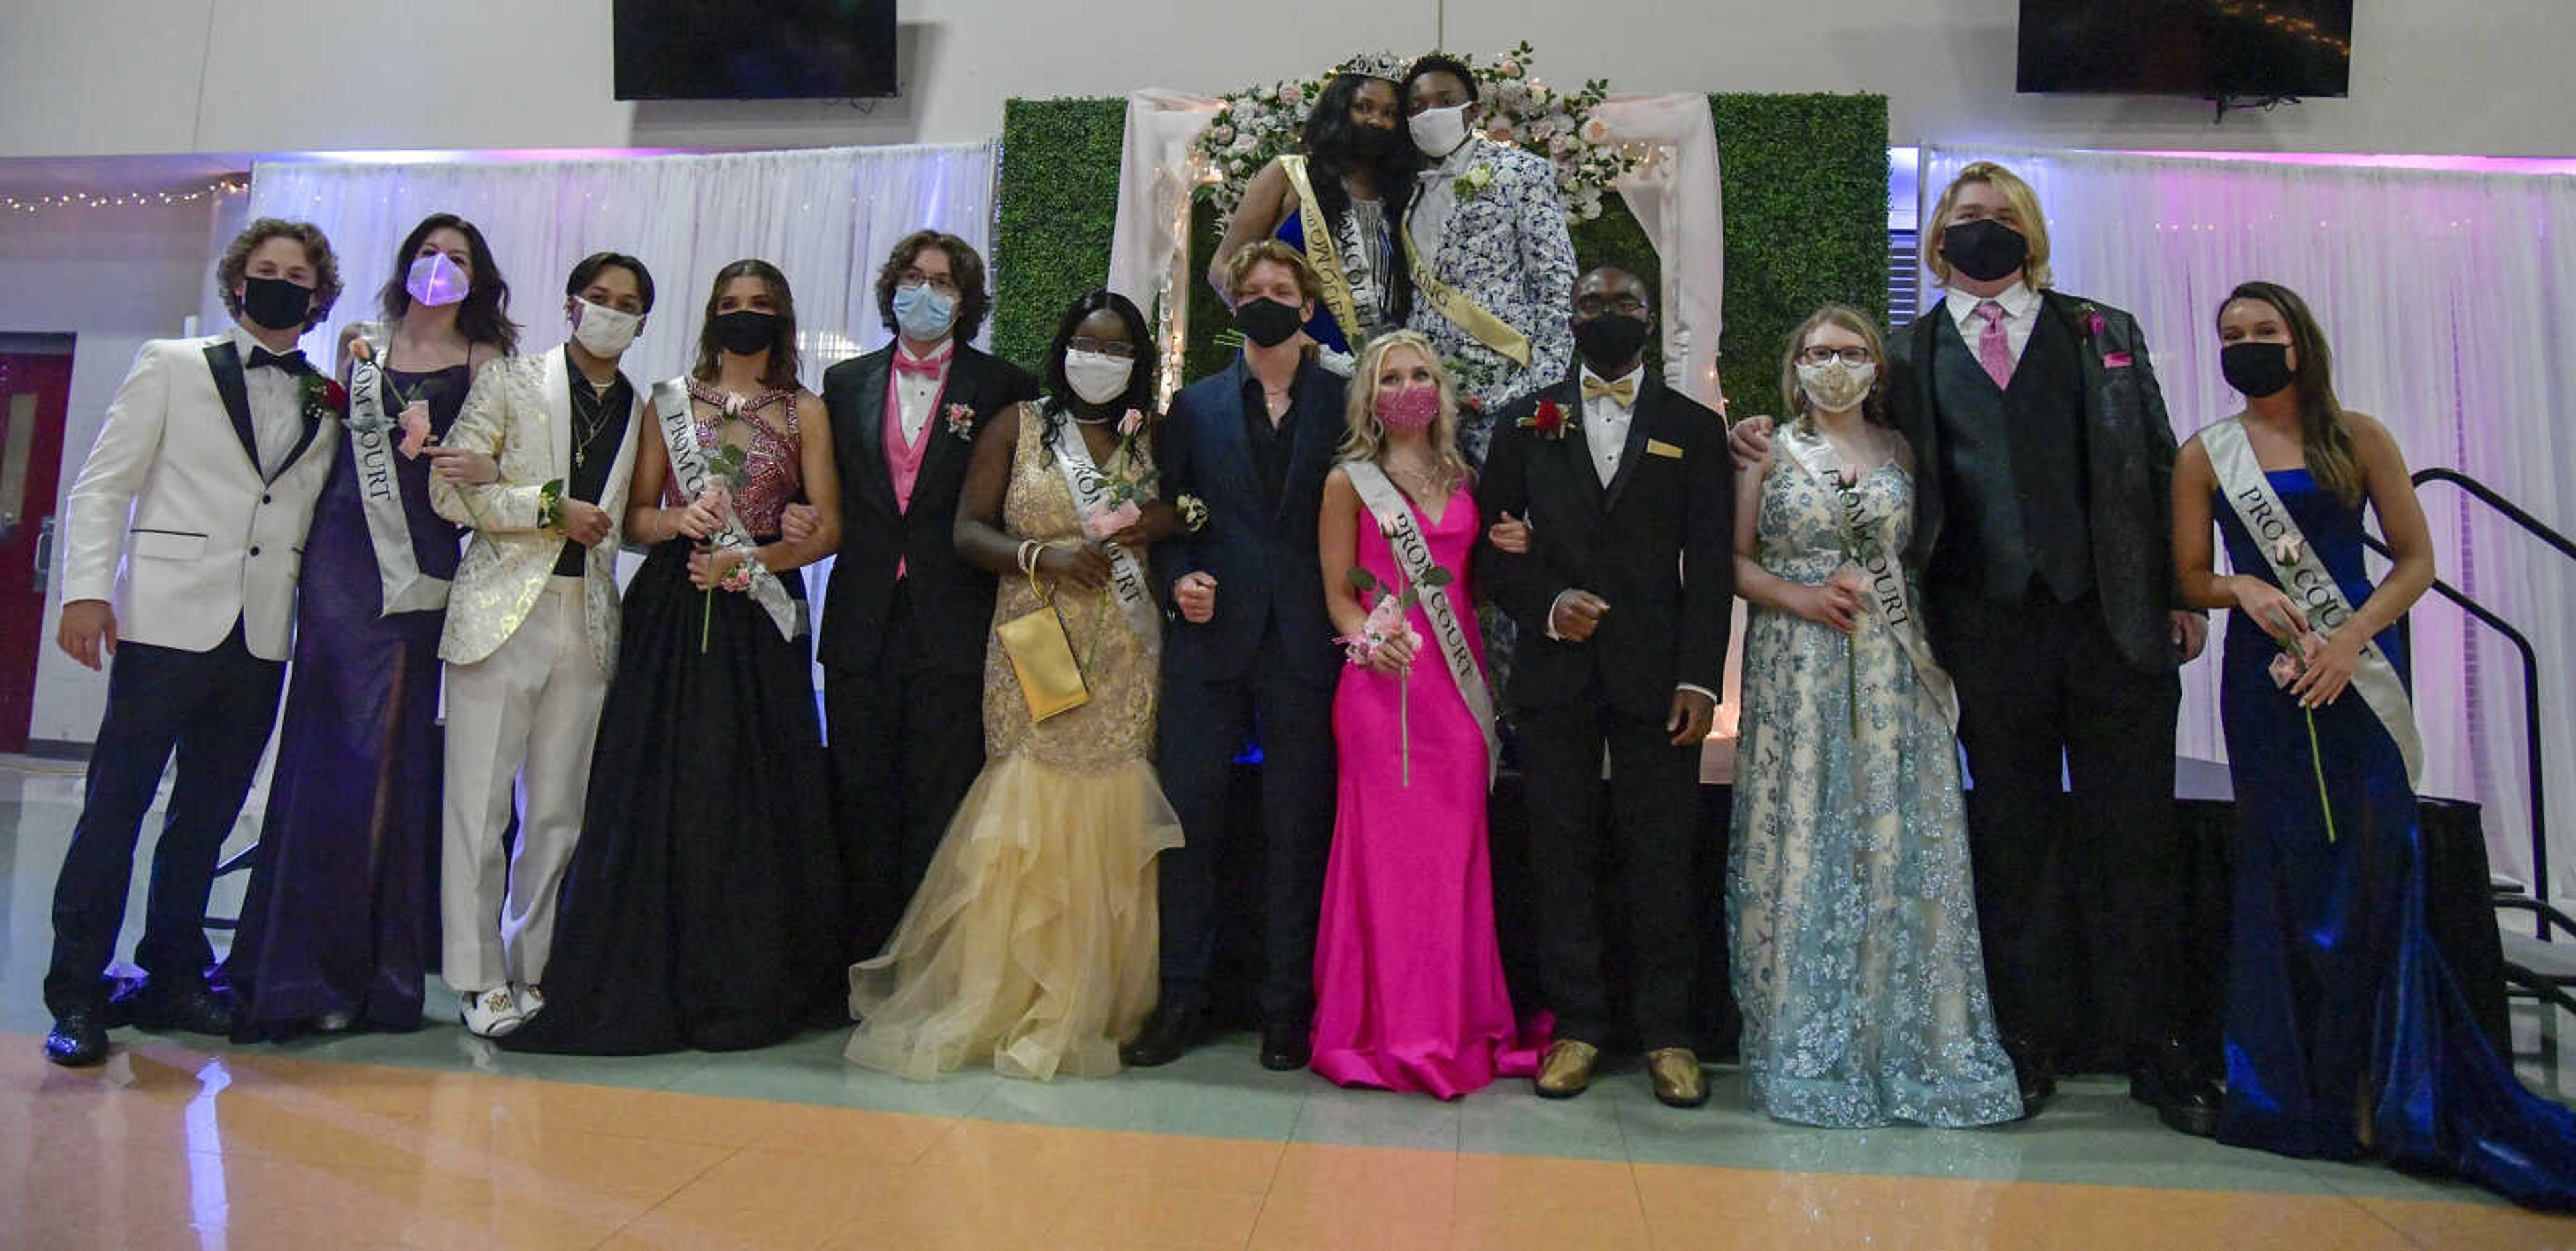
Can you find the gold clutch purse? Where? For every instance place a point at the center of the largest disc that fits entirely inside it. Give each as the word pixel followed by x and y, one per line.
pixel 1042 658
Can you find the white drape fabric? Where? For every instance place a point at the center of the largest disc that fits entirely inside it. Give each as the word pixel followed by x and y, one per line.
pixel 825 216
pixel 2444 296
pixel 1674 196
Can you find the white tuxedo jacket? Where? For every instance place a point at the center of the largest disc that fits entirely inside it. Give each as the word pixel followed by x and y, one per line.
pixel 519 412
pixel 211 539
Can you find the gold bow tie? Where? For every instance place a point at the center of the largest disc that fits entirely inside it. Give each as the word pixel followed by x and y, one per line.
pixel 1624 390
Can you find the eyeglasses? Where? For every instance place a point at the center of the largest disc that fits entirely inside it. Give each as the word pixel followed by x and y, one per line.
pixel 1624 305
pixel 941 283
pixel 1113 347
pixel 1825 355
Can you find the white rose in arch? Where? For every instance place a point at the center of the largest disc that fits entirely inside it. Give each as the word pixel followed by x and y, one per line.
pixel 1509 69
pixel 1595 130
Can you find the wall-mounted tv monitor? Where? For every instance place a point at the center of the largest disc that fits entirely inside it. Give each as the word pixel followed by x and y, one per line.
pixel 2202 48
pixel 754 49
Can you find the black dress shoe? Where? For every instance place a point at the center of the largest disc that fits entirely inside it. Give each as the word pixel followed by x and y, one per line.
pixel 2182 1094
pixel 1287 1045
pixel 187 1005
pixel 2035 1075
pixel 79 1038
pixel 1166 1035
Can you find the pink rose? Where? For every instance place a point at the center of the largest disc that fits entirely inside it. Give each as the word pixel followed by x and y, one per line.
pixel 1109 521
pixel 1851 579
pixel 1509 69
pixel 1130 424
pixel 1595 130
pixel 415 428
pixel 2285 669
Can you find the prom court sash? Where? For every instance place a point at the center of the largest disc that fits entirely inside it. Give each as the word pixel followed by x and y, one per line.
pixel 1462 312
pixel 689 471
pixel 1395 521
pixel 1812 454
pixel 2307 581
pixel 372 439
pixel 1127 582
pixel 1321 251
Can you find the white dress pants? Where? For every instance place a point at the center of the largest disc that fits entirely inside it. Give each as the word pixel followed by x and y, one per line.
pixel 527 714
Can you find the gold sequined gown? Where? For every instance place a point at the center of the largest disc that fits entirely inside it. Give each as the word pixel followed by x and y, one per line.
pixel 1031 943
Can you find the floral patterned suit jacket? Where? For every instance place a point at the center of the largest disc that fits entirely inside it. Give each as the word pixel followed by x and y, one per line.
pixel 1507 249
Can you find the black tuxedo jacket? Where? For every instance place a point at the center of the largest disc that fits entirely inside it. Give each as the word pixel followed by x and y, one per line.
pixel 1263 559
pixel 1657 544
pixel 2129 456
pixel 952 600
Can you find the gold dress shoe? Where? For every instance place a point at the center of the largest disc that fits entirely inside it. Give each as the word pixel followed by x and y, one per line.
pixel 1678 1081
pixel 1567 1070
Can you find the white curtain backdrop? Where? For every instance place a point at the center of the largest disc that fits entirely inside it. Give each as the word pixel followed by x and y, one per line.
pixel 826 217
pixel 2445 297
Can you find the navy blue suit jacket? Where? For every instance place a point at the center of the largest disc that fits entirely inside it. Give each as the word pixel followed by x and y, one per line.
pixel 1263 559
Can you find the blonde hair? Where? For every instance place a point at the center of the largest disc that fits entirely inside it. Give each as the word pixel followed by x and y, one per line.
pixel 1367 436
pixel 1238 267
pixel 1872 409
pixel 2025 205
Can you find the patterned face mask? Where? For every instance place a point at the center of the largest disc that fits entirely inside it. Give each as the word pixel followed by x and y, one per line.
pixel 1837 385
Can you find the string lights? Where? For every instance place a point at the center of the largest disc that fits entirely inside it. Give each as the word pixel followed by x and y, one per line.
pixel 120 199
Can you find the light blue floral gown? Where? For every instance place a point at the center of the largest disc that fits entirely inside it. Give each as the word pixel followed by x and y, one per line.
pixel 1854 917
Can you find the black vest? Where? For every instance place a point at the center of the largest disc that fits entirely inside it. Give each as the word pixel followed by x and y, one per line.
pixel 2020 445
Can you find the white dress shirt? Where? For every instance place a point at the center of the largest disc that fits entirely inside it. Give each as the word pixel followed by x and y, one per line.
pixel 915 393
pixel 1606 422
pixel 1439 198
pixel 2021 313
pixel 276 405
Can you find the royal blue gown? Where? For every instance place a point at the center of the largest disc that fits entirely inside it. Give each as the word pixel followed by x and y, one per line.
pixel 2342 1015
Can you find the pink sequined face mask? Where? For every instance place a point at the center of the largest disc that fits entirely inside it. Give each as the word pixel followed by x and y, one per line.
pixel 1409 408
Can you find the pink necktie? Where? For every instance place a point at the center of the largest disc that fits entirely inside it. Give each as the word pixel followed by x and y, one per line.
pixel 1994 351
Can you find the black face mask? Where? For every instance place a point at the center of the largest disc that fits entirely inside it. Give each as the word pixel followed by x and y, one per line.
pixel 1372 141
pixel 1266 321
pixel 1611 340
pixel 275 303
pixel 2256 369
pixel 1984 249
pixel 745 332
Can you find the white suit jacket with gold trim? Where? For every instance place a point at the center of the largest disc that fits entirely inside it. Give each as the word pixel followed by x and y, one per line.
pixel 520 413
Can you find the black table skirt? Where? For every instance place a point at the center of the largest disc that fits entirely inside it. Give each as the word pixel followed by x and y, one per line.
pixel 2458 909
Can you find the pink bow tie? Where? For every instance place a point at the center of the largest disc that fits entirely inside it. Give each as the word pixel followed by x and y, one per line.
pixel 926 368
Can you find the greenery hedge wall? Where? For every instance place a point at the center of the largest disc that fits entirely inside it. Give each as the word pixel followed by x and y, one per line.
pixel 1805 183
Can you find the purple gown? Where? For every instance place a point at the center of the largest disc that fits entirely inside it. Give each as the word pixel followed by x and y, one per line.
pixel 341 916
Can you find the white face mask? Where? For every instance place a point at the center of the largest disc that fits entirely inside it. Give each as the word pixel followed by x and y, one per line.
pixel 603 331
pixel 1437 132
pixel 1835 386
pixel 1096 376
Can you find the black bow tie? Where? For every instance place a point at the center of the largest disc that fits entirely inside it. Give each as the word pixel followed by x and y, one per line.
pixel 292 362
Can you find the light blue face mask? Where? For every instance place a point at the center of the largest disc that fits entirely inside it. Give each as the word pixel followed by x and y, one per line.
pixel 923 313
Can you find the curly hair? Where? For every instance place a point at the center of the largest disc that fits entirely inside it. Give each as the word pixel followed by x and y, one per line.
pixel 235 265
pixel 1439 63
pixel 965 268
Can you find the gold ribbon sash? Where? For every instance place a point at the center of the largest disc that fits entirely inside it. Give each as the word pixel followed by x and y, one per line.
pixel 2306 580
pixel 1462 312
pixel 1323 251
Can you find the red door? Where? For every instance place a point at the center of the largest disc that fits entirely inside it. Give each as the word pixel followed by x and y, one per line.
pixel 34 392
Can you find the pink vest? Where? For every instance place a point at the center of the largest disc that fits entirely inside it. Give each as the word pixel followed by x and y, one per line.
pixel 903 460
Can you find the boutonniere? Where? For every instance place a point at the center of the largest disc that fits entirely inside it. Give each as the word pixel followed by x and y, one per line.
pixel 961 421
pixel 2093 321
pixel 2285 550
pixel 1550 420
pixel 1473 181
pixel 322 397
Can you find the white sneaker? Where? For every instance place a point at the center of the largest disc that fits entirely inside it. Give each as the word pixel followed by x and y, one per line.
pixel 530 1000
pixel 491 1013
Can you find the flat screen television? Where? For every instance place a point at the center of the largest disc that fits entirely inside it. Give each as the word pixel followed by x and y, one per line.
pixel 2219 49
pixel 754 49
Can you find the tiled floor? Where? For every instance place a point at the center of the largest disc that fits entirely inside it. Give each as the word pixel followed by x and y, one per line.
pixel 435 1139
